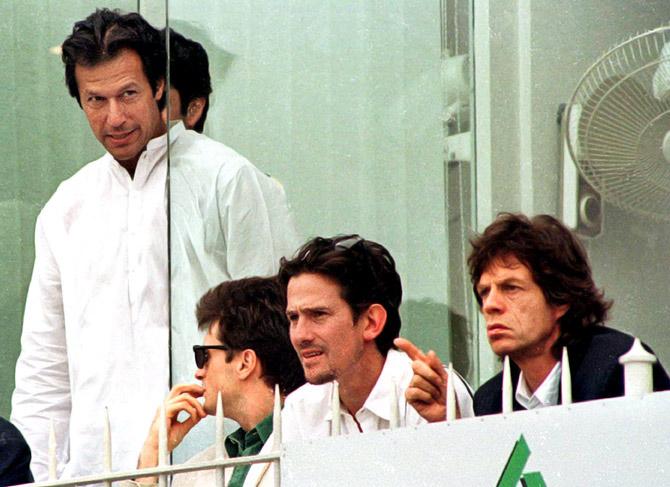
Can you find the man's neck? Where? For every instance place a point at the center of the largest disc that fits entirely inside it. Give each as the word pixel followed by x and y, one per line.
pixel 257 406
pixel 536 369
pixel 359 382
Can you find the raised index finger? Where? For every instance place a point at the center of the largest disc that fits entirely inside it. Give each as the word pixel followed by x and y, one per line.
pixel 409 348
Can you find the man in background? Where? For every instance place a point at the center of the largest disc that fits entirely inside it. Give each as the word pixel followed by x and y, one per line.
pixel 190 82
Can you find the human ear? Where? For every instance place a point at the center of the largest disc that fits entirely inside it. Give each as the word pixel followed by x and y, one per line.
pixel 247 363
pixel 374 321
pixel 194 112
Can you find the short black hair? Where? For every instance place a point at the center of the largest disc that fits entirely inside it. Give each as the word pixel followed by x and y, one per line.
pixel 557 261
pixel 102 35
pixel 251 314
pixel 189 73
pixel 364 270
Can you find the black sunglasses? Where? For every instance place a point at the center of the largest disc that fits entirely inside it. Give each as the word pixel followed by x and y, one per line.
pixel 202 355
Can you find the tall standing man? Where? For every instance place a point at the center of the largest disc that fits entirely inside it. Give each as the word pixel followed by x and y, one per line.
pixel 533 282
pixel 95 329
pixel 343 299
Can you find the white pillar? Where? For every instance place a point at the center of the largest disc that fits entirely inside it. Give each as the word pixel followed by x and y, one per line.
pixel 637 370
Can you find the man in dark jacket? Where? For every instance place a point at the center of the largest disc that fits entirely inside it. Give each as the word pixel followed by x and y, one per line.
pixel 14 456
pixel 533 283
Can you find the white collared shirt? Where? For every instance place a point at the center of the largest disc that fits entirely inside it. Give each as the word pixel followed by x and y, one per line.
pixel 307 411
pixel 545 395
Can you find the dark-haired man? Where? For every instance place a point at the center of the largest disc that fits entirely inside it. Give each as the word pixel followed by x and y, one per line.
pixel 246 352
pixel 532 280
pixel 190 82
pixel 343 299
pixel 95 329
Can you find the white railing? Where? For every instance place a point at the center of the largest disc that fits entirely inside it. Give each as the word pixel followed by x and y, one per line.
pixel 638 381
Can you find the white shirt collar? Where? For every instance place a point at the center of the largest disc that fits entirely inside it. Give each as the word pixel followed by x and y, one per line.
pixel 545 395
pixel 377 401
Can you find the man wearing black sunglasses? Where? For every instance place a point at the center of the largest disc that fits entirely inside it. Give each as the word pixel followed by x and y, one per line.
pixel 343 299
pixel 246 352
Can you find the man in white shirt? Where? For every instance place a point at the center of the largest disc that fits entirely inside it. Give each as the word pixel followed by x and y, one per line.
pixel 96 328
pixel 246 352
pixel 533 282
pixel 343 298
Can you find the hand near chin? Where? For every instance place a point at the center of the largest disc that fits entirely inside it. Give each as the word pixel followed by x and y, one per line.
pixel 427 389
pixel 182 397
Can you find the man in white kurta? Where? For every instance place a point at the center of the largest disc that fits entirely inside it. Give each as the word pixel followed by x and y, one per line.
pixel 96 329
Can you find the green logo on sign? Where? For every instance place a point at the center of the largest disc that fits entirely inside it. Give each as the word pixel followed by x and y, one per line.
pixel 513 472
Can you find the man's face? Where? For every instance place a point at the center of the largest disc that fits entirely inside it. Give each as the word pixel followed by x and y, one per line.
pixel 323 333
pixel 519 320
pixel 218 375
pixel 120 106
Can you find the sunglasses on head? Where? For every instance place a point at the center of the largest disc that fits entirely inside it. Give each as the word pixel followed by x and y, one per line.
pixel 202 355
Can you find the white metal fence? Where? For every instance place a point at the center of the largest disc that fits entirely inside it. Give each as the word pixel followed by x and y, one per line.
pixel 638 381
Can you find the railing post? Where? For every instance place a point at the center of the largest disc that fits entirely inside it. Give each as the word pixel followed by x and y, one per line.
pixel 52 451
pixel 637 370
pixel 162 446
pixel 219 442
pixel 276 430
pixel 395 411
pixel 507 404
pixel 451 394
pixel 335 424
pixel 566 379
pixel 107 440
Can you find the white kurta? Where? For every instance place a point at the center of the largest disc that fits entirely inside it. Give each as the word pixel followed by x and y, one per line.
pixel 95 331
pixel 307 411
pixel 96 323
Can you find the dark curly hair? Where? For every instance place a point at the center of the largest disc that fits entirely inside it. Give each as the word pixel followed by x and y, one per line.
pixel 102 35
pixel 557 261
pixel 364 270
pixel 251 314
pixel 189 73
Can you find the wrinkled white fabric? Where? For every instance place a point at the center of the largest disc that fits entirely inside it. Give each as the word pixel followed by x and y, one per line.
pixel 228 220
pixel 95 331
pixel 307 411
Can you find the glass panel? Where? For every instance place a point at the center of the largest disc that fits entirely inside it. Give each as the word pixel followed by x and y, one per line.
pixel 549 46
pixel 45 139
pixel 352 107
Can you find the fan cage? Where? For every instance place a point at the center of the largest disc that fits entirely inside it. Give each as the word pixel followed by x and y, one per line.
pixel 616 121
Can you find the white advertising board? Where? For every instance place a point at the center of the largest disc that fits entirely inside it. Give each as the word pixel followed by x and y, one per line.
pixel 615 442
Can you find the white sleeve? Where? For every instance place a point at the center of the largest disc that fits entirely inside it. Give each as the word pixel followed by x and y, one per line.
pixel 42 390
pixel 463 396
pixel 251 235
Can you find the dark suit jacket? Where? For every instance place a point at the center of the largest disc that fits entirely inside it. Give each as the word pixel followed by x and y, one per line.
pixel 14 456
pixel 594 367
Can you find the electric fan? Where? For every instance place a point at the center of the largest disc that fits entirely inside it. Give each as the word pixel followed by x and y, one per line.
pixel 618 125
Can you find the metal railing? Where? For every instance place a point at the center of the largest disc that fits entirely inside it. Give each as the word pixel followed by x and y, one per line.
pixel 638 381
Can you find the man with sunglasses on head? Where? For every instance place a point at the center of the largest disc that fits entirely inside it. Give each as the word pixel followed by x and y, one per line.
pixel 343 298
pixel 246 352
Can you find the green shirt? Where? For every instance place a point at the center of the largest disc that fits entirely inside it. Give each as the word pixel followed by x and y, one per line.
pixel 244 443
